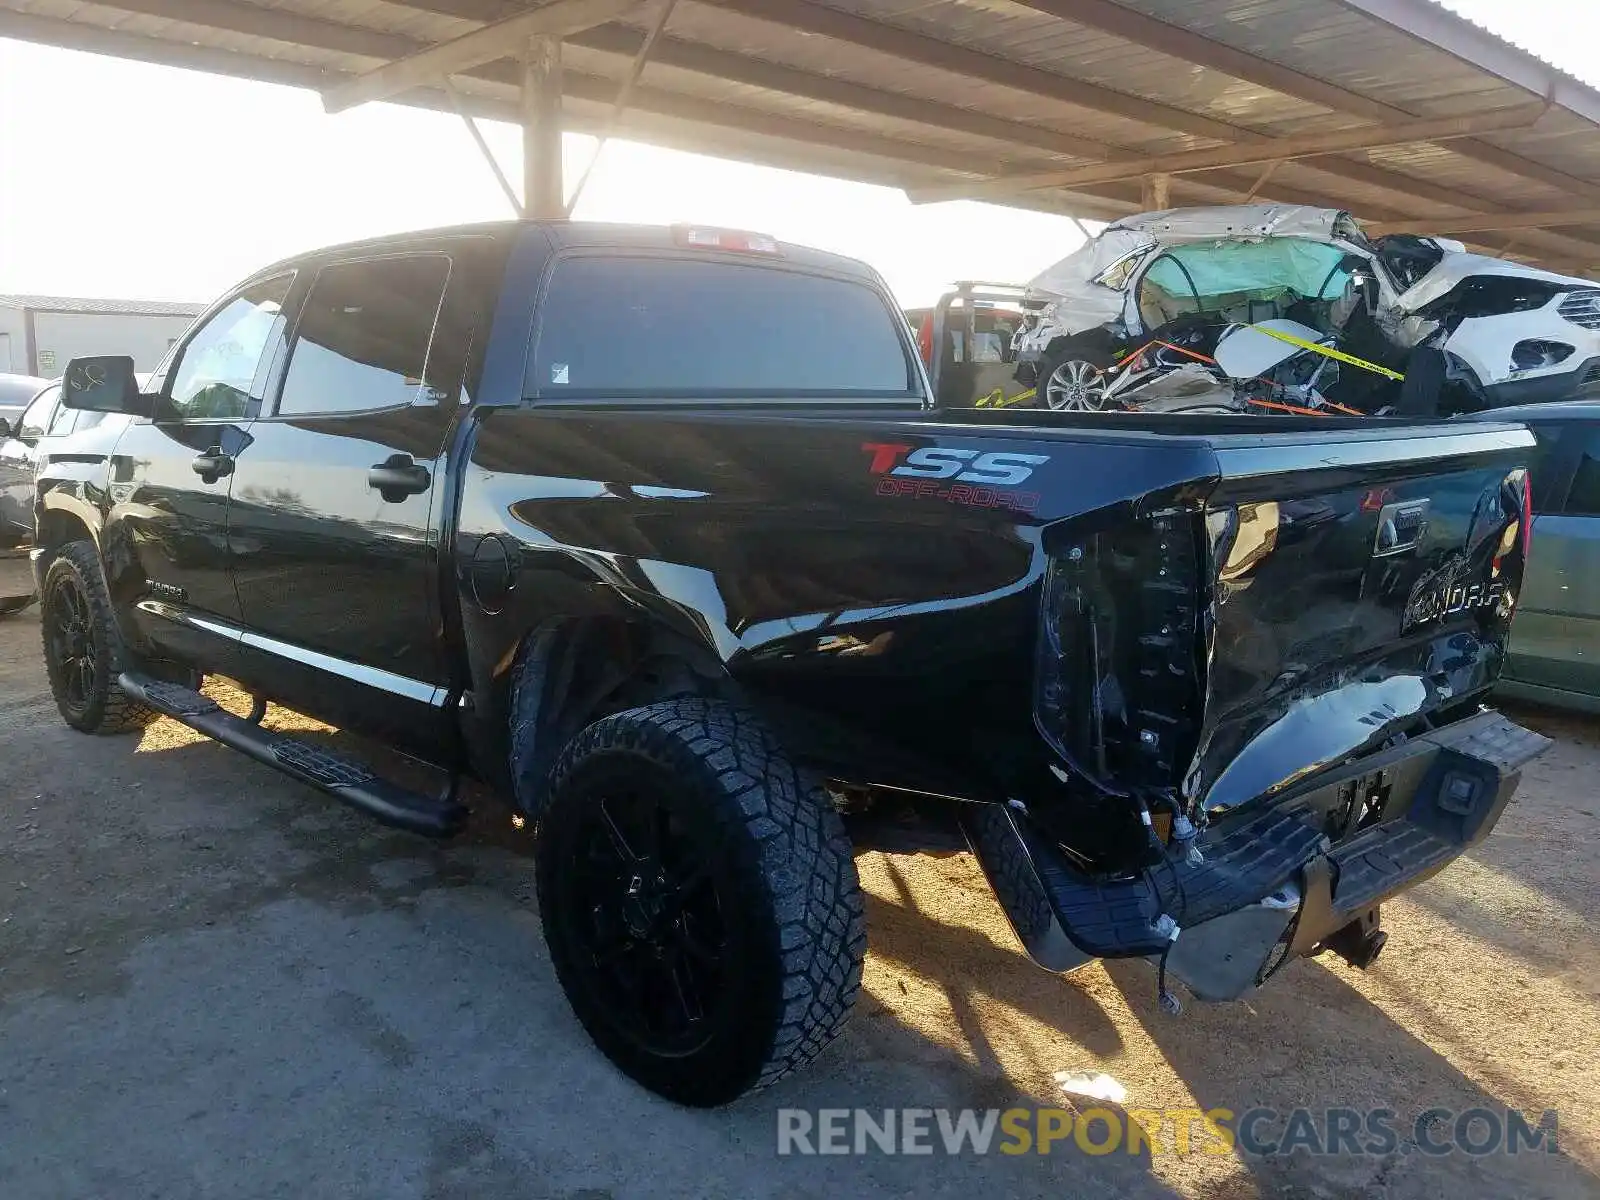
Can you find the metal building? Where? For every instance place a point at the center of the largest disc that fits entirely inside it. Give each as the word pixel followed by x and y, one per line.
pixel 39 335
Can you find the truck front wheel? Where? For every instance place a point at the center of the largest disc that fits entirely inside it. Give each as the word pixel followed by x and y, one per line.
pixel 699 899
pixel 82 649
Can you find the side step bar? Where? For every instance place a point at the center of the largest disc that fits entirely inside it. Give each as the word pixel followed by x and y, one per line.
pixel 357 784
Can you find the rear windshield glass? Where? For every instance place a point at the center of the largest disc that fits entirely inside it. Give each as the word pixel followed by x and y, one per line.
pixel 661 327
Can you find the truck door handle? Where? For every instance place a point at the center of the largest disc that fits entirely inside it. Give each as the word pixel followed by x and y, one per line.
pixel 397 477
pixel 212 465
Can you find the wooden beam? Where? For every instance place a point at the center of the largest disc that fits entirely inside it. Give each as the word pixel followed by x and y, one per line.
pixel 1221 187
pixel 1198 50
pixel 791 81
pixel 1256 153
pixel 624 40
pixel 909 46
pixel 1491 222
pixel 904 161
pixel 1339 171
pixel 281 25
pixel 588 89
pixel 1490 155
pixel 329 35
pixel 500 40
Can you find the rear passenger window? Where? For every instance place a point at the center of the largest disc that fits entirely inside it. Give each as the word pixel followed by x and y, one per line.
pixel 660 327
pixel 362 339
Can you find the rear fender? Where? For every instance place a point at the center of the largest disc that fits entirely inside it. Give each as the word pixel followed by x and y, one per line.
pixel 568 673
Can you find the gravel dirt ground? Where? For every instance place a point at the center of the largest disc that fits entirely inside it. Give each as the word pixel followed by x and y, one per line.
pixel 214 982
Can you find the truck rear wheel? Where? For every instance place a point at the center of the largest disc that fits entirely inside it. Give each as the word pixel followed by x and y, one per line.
pixel 82 650
pixel 700 900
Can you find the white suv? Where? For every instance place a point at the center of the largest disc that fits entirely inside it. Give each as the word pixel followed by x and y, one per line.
pixel 1510 334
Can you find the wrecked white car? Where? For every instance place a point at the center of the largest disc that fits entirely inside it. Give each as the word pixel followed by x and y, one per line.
pixel 1401 323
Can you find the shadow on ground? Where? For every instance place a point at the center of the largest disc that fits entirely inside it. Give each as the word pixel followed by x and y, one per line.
pixel 214 981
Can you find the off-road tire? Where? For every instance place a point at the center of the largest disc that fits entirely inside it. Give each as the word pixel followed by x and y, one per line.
pixel 782 861
pixel 108 708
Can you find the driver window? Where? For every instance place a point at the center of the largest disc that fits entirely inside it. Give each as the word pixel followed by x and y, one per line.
pixel 61 422
pixel 215 378
pixel 31 425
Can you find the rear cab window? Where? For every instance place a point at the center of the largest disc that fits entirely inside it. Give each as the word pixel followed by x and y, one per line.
pixel 655 327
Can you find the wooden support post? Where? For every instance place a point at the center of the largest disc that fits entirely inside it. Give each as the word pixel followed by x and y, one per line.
pixel 541 130
pixel 1156 194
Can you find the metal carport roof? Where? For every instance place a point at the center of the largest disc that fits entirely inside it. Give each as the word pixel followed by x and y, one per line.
pixel 1398 110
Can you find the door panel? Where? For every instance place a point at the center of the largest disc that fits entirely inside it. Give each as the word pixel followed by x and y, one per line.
pixel 1556 639
pixel 336 559
pixel 167 545
pixel 1555 642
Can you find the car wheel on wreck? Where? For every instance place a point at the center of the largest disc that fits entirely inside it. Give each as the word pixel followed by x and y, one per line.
pixel 699 898
pixel 1074 379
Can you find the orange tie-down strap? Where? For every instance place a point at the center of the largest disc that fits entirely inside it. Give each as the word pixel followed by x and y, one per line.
pixel 1281 407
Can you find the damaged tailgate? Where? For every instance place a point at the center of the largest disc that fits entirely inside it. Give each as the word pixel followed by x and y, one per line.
pixel 1360 588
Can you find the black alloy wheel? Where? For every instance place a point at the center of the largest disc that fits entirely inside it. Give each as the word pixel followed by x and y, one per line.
pixel 642 899
pixel 70 644
pixel 83 653
pixel 699 898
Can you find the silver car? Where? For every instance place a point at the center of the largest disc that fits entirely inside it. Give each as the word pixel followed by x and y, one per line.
pixel 1554 654
pixel 40 428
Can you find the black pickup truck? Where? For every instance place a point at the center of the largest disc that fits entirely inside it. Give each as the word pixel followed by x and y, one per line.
pixel 658 533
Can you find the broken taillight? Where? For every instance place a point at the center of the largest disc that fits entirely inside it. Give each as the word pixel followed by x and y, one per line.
pixel 1119 676
pixel 1518 532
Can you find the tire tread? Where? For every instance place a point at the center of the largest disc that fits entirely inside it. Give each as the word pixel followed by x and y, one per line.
pixel 117 712
pixel 805 857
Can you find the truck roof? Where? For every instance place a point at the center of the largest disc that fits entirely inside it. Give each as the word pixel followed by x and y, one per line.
pixel 598 234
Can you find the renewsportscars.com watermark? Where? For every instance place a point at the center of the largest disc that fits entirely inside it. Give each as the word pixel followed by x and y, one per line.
pixel 1254 1132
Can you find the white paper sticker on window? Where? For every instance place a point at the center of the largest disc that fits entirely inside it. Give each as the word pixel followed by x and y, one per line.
pixel 558 372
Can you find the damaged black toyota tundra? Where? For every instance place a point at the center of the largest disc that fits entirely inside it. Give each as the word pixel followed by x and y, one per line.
pixel 656 533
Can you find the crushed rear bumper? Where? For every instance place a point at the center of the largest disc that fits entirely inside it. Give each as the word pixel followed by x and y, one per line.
pixel 1274 884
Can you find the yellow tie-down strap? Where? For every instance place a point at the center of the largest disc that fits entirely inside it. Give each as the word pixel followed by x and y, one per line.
pixel 998 399
pixel 1328 352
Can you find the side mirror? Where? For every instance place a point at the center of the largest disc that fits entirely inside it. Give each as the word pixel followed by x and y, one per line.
pixel 104 383
pixel 5 429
